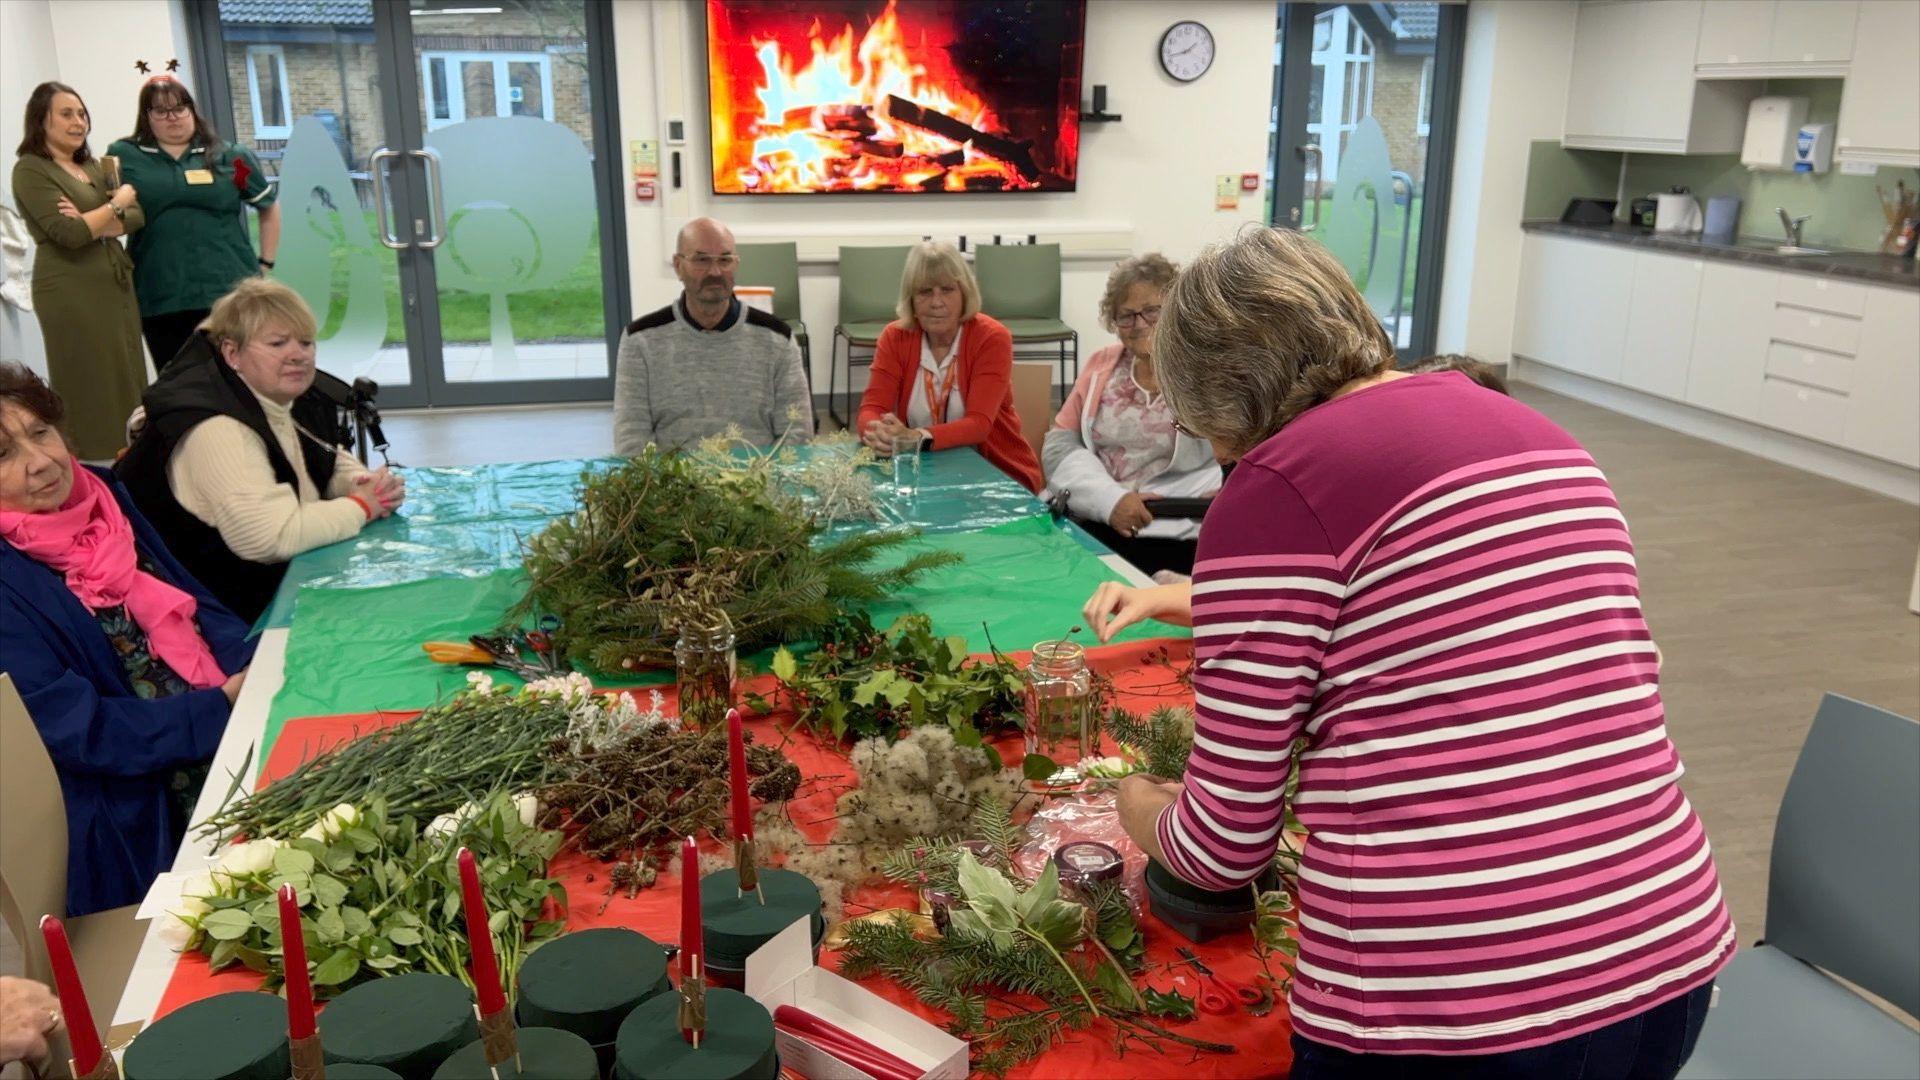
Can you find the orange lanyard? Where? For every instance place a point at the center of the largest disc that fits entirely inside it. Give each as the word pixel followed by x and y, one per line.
pixel 937 406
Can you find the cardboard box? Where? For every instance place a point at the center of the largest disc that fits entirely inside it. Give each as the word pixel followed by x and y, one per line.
pixel 782 972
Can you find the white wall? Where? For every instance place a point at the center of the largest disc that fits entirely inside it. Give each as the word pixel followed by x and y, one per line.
pixel 1148 181
pixel 90 45
pixel 1513 90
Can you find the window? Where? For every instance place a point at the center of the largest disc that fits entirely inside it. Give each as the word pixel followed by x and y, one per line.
pixel 466 85
pixel 267 87
pixel 1424 125
pixel 1341 91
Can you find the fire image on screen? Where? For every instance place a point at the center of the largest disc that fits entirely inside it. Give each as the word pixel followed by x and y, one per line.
pixel 905 96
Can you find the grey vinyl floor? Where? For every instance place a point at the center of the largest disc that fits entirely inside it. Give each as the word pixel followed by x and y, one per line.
pixel 1765 587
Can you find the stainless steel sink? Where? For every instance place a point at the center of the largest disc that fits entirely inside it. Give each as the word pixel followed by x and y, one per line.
pixel 1794 249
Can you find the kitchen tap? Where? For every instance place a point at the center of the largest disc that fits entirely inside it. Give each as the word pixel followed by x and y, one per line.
pixel 1791 224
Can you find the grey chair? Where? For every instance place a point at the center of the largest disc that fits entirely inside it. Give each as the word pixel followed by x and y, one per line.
pixel 777 266
pixel 1843 896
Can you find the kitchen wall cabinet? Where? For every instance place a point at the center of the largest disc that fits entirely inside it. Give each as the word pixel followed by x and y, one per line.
pixel 1880 101
pixel 1573 305
pixel 1746 39
pixel 1731 330
pixel 1632 86
pixel 1659 345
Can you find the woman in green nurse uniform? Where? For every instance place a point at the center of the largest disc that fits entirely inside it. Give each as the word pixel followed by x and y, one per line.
pixel 193 187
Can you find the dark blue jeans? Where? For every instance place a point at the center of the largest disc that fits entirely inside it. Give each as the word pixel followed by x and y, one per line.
pixel 1649 1046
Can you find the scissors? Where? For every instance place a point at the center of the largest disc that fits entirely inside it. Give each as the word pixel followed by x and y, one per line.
pixel 542 642
pixel 1219 995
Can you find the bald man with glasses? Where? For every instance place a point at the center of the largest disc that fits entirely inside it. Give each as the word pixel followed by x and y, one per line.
pixel 706 361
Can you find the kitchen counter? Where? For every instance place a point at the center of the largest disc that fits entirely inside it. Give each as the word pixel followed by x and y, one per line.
pixel 1853 265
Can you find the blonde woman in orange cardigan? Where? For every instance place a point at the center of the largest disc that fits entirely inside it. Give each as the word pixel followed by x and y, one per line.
pixel 943 372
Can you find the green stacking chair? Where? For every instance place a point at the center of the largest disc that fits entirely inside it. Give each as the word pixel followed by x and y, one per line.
pixel 869 295
pixel 777 266
pixel 1020 286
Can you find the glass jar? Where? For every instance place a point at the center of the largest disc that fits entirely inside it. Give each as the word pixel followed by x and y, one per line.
pixel 704 665
pixel 1061 720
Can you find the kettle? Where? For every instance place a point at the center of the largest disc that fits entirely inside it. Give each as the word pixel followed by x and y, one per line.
pixel 1676 211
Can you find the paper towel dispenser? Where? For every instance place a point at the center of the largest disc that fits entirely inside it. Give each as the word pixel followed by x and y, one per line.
pixel 1773 128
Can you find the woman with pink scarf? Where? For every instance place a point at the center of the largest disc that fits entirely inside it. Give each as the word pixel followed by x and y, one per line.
pixel 126 664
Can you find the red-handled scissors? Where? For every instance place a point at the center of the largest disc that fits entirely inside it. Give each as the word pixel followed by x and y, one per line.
pixel 1219 996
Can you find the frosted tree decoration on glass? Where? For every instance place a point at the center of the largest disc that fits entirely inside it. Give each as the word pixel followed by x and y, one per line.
pixel 520 210
pixel 324 221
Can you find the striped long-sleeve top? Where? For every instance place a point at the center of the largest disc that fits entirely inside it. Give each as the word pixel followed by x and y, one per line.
pixel 1432 584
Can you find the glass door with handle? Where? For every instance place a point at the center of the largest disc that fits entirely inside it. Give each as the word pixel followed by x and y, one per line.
pixel 444 211
pixel 1362 146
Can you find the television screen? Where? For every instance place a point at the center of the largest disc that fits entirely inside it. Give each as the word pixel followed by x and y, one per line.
pixel 908 96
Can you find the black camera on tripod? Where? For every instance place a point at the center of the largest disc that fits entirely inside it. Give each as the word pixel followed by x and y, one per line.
pixel 357 417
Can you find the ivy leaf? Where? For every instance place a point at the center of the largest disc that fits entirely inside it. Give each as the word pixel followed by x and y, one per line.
pixel 1171 1004
pixel 1038 767
pixel 230 924
pixel 784 665
pixel 989 894
pixel 1045 890
pixel 1062 923
pixel 339 966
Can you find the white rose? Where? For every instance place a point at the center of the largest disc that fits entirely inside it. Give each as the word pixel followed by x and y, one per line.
pixel 193 897
pixel 338 820
pixel 529 808
pixel 449 823
pixel 252 857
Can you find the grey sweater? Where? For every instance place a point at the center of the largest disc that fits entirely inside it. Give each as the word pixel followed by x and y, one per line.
pixel 675 384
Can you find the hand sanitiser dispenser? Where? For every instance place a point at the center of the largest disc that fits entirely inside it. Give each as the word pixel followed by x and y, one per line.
pixel 1813 148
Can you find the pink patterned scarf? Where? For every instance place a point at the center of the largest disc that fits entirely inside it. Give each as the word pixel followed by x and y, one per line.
pixel 89 541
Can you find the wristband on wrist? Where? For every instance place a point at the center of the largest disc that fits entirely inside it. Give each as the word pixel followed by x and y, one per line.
pixel 365 508
pixel 266 262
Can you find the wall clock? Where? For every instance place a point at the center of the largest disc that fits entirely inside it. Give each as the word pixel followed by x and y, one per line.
pixel 1186 50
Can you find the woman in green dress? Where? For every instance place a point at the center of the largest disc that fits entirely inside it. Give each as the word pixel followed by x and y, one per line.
pixel 82 277
pixel 193 188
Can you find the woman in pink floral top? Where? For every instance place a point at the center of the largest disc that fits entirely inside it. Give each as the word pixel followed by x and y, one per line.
pixel 1113 449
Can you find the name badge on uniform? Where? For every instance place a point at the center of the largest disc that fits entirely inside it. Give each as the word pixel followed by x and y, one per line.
pixel 198 176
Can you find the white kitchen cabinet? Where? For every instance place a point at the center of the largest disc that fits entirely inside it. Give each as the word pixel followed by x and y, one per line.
pixel 1745 39
pixel 1632 85
pixel 1883 409
pixel 1880 101
pixel 1732 329
pixel 1659 343
pixel 1574 297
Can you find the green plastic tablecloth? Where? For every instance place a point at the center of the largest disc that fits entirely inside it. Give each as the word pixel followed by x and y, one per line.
pixel 358 649
pixel 470 522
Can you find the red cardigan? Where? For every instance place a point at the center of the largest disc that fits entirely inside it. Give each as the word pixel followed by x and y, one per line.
pixel 986 377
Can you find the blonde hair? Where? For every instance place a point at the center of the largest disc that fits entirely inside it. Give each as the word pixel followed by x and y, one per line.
pixel 1258 330
pixel 1478 370
pixel 1152 269
pixel 242 314
pixel 933 262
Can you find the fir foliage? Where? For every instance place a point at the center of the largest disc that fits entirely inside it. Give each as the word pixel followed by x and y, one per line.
pixel 1161 742
pixel 664 534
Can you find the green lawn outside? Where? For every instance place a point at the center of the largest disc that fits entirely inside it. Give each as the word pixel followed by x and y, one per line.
pixel 568 311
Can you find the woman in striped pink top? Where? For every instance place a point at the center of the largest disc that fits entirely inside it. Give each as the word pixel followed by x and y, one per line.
pixel 1432 586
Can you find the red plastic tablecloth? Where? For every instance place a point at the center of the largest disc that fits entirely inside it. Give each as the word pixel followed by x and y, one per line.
pixel 1263 1047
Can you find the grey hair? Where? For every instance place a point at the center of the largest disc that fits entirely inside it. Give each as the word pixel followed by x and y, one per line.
pixel 932 262
pixel 1152 269
pixel 1258 330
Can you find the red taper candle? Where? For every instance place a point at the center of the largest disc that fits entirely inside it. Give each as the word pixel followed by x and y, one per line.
pixel 81 1033
pixel 293 953
pixel 486 970
pixel 692 936
pixel 737 758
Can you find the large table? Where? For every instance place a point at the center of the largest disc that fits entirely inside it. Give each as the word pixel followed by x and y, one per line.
pixel 469 522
